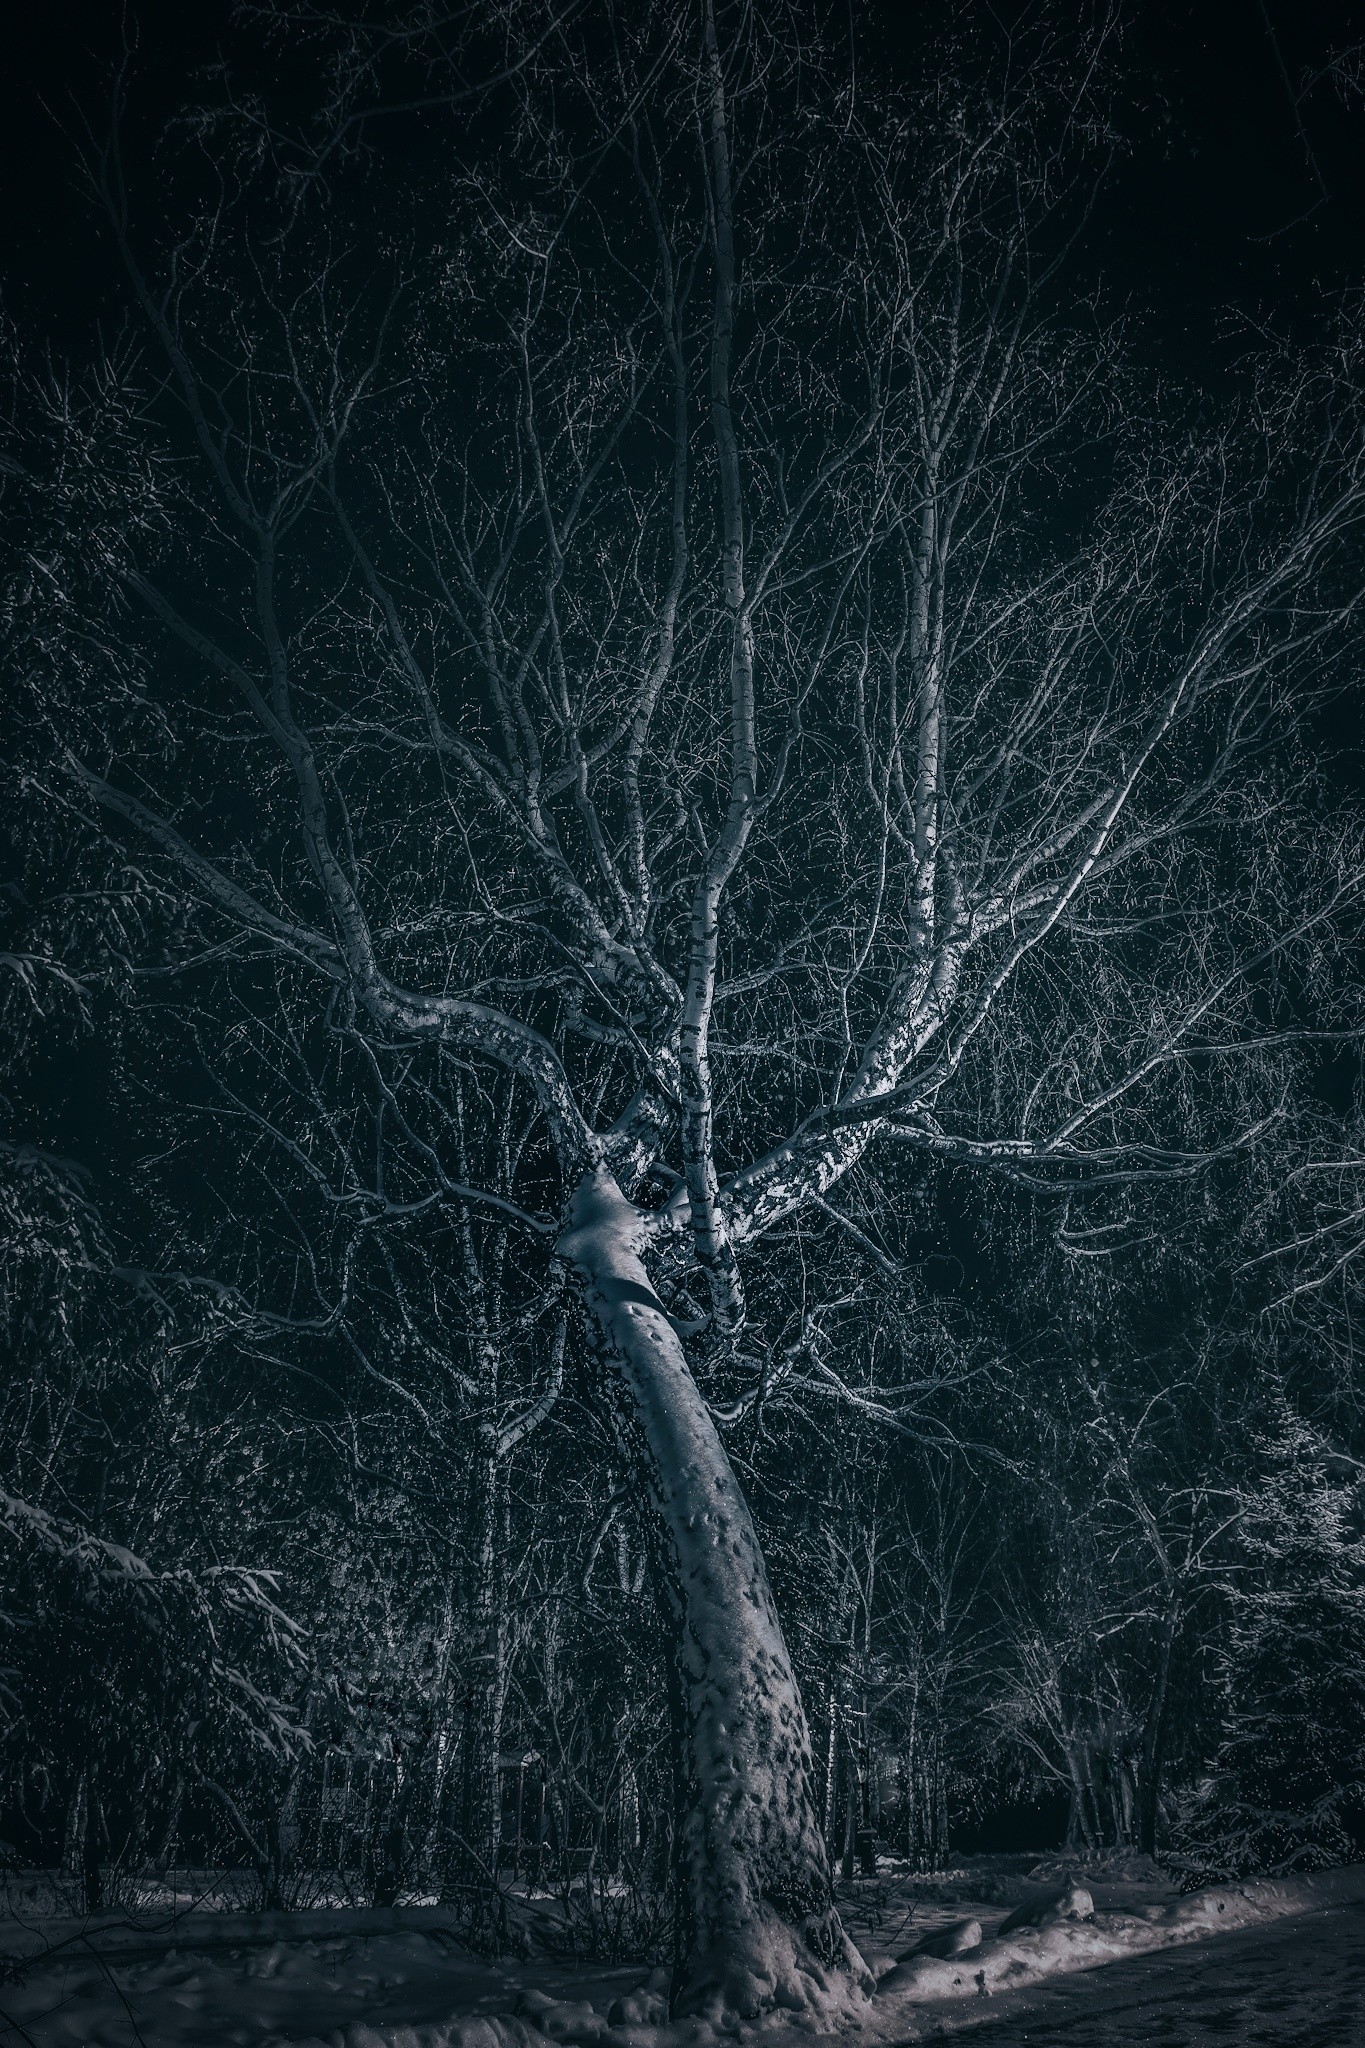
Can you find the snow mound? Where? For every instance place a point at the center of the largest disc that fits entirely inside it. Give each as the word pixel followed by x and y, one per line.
pixel 1027 1952
pixel 1072 1902
pixel 958 1938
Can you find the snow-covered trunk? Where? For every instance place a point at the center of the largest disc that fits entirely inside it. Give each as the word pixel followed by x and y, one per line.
pixel 937 1804
pixel 73 1836
pixel 852 1803
pixel 758 1925
pixel 485 1679
pixel 1080 1827
pixel 445 1725
pixel 1154 1733
pixel 831 1764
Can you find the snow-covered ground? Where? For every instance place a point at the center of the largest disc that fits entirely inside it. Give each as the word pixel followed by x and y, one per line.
pixel 1299 1984
pixel 401 1980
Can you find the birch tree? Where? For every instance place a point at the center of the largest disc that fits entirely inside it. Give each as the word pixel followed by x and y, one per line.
pixel 691 619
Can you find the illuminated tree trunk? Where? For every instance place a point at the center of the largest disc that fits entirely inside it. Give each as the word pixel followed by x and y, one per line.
pixel 758 1925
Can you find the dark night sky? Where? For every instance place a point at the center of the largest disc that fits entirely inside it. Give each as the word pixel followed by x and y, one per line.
pixel 1229 201
pixel 1216 204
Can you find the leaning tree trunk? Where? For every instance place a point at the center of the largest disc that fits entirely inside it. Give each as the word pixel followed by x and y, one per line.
pixel 758 1924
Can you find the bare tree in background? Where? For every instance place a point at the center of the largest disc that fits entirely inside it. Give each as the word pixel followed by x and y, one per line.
pixel 724 645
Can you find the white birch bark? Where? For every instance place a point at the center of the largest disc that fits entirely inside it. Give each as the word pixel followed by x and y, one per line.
pixel 758 1923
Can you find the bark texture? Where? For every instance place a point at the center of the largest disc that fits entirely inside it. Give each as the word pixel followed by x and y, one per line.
pixel 759 1926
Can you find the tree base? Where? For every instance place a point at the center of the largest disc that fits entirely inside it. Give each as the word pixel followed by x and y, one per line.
pixel 811 1968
